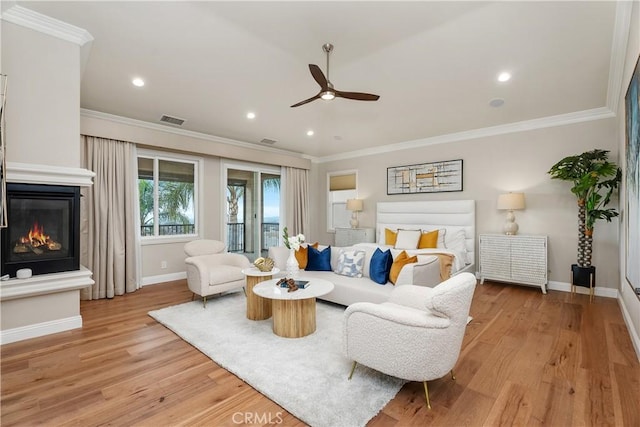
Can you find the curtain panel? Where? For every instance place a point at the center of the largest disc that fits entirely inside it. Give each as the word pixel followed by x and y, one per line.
pixel 109 226
pixel 297 200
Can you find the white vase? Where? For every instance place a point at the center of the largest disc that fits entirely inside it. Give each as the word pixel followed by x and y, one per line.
pixel 292 264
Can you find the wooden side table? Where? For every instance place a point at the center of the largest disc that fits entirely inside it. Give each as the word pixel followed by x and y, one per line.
pixel 258 308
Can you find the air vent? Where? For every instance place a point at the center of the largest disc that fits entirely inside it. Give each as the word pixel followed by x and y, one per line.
pixel 171 120
pixel 268 141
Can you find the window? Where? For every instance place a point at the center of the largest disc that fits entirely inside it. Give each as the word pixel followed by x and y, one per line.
pixel 341 186
pixel 168 195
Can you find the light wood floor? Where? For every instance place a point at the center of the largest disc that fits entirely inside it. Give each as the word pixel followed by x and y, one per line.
pixel 527 359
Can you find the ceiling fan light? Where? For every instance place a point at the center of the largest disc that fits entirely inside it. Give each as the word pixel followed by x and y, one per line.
pixel 328 95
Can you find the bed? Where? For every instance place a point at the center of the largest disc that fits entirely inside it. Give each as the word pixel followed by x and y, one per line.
pixel 457 217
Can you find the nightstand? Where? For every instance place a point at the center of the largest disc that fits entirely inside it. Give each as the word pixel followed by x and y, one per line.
pixel 351 236
pixel 515 259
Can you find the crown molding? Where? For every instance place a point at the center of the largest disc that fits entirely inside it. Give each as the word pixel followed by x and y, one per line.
pixel 42 23
pixel 183 132
pixel 526 125
pixel 619 43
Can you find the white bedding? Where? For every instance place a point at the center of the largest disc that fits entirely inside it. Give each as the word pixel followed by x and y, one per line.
pixel 458 257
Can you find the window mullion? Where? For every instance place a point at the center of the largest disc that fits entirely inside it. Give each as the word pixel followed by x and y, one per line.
pixel 156 210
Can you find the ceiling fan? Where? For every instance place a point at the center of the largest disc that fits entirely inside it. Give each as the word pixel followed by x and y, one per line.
pixel 326 87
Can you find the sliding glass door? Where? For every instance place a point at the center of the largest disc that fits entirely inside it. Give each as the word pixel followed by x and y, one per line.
pixel 252 209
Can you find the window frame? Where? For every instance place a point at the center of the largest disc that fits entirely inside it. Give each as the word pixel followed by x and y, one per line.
pixel 156 157
pixel 346 194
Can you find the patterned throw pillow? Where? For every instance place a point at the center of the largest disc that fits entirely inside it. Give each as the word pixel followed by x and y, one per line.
pixel 350 263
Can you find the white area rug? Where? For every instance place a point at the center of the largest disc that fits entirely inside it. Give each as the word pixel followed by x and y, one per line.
pixel 306 376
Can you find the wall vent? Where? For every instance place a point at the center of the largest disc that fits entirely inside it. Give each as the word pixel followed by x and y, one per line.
pixel 171 120
pixel 268 141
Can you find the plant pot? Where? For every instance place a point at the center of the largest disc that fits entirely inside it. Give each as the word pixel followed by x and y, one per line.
pixel 583 276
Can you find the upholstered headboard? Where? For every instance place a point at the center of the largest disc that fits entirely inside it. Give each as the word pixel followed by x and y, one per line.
pixel 450 214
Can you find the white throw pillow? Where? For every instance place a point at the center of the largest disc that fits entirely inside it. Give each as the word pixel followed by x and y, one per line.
pixel 408 239
pixel 457 242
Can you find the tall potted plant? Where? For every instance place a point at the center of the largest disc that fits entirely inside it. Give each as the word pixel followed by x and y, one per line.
pixel 594 180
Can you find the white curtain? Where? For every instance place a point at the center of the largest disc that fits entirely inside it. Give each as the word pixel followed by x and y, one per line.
pixel 297 200
pixel 109 217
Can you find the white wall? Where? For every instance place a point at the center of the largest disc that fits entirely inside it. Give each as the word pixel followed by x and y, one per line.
pixel 43 97
pixel 491 166
pixel 629 302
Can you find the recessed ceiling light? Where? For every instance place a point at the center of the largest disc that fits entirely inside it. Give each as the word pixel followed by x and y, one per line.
pixel 309 133
pixel 504 76
pixel 496 102
pixel 138 82
pixel 251 115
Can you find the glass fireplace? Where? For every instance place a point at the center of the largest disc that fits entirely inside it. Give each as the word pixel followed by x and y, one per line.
pixel 44 229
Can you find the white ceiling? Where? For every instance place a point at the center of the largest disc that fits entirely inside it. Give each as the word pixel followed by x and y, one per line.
pixel 434 65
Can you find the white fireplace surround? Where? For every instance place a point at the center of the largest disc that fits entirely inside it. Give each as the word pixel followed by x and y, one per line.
pixel 66 284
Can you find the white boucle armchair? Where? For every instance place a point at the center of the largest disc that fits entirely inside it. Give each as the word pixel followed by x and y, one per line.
pixel 211 270
pixel 416 335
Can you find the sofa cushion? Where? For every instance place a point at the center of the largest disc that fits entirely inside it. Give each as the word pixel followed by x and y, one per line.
pixel 380 265
pixel 400 261
pixel 350 262
pixel 319 260
pixel 302 255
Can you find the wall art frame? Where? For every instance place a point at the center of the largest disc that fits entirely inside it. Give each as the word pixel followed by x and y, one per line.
pixel 433 177
pixel 632 180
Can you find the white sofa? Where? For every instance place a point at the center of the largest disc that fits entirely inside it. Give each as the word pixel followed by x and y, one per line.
pixel 349 290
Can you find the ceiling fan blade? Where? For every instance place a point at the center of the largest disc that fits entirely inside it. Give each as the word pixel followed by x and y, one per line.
pixel 318 75
pixel 359 96
pixel 313 98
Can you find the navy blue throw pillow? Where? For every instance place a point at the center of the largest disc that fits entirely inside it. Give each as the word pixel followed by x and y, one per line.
pixel 318 260
pixel 380 265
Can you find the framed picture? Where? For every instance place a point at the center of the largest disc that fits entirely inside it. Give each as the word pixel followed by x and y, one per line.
pixel 432 177
pixel 632 180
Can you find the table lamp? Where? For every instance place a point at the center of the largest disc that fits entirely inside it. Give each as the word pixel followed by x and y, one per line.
pixel 511 202
pixel 355 206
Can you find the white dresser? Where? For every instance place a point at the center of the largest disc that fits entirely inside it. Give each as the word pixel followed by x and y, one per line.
pixel 351 236
pixel 516 259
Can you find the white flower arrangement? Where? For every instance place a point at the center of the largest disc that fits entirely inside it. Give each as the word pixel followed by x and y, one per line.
pixel 292 242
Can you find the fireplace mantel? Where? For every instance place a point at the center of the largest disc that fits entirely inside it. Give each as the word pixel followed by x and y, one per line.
pixel 45 284
pixel 31 173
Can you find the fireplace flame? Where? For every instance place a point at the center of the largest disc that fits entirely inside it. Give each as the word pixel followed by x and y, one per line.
pixel 36 236
pixel 36 239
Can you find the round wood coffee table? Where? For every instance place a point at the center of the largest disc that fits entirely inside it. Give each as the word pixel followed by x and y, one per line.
pixel 258 308
pixel 294 313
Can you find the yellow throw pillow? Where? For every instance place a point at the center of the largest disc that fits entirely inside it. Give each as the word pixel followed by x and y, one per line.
pixel 428 240
pixel 390 237
pixel 302 255
pixel 401 260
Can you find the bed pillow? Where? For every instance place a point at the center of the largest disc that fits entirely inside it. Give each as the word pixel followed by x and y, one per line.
pixel 407 239
pixel 380 265
pixel 319 260
pixel 302 255
pixel 350 263
pixel 400 261
pixel 390 237
pixel 428 240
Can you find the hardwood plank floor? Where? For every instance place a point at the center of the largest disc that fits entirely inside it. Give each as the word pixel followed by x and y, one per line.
pixel 527 359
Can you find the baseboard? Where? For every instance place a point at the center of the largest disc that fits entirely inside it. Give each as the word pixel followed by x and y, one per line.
pixel 598 291
pixel 633 334
pixel 153 280
pixel 40 329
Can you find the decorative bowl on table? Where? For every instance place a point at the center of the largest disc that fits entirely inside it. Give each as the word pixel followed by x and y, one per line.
pixel 263 264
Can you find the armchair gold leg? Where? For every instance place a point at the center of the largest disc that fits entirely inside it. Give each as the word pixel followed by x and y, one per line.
pixel 193 296
pixel 204 302
pixel 353 368
pixel 426 394
pixel 453 376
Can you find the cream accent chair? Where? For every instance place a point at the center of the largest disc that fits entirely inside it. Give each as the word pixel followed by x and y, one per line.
pixel 416 335
pixel 211 270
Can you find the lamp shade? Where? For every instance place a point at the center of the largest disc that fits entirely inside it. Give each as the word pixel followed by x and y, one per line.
pixel 354 205
pixel 511 201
